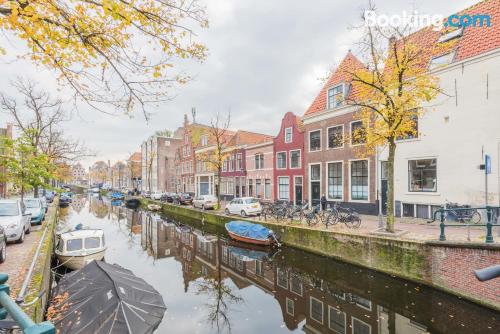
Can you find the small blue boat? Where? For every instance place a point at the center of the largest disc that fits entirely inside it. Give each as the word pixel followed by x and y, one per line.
pixel 251 233
pixel 117 196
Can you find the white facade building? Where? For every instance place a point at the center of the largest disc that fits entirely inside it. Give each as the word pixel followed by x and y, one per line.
pixel 442 164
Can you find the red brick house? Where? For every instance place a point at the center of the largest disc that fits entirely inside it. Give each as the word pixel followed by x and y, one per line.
pixel 288 162
pixel 336 165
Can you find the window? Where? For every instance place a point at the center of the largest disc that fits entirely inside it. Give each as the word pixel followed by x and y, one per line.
pixel 282 278
pixel 335 180
pixel 288 135
pixel 359 180
pixel 259 161
pixel 74 245
pixel 336 136
pixel 231 163
pixel 360 327
pixel 363 302
pixel 413 133
pixel 284 188
pixel 204 140
pixel 224 165
pixel 336 320
pixel 259 270
pixel 315 172
pixel 315 140
pixel 257 188
pixel 92 242
pixel 281 160
pixel 316 310
pixel 442 60
pixel 296 284
pixel 295 161
pixel 422 175
pixel 267 189
pixel 290 306
pixel 250 188
pixel 239 165
pixel 335 96
pixel 451 35
pixel 357 133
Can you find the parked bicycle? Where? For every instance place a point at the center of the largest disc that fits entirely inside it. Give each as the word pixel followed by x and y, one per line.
pixel 462 214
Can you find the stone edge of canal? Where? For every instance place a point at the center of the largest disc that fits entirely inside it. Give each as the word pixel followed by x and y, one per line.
pixel 445 266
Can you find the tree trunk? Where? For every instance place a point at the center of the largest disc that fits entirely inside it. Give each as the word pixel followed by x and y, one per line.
pixel 390 187
pixel 217 187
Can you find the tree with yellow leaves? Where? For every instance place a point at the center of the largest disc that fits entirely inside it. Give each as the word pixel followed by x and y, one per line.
pixel 117 52
pixel 391 92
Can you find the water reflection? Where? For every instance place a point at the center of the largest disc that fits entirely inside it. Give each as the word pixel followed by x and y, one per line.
pixel 211 284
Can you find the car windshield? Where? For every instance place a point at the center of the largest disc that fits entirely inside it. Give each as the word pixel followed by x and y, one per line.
pixel 32 203
pixel 9 209
pixel 250 200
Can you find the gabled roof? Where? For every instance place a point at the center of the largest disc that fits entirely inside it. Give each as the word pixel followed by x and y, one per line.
pixel 136 156
pixel 341 75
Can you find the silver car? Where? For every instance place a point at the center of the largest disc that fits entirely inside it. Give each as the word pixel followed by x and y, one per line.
pixel 15 220
pixel 205 202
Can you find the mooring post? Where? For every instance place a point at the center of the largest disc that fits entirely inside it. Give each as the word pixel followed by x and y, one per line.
pixel 442 237
pixel 489 233
pixel 8 306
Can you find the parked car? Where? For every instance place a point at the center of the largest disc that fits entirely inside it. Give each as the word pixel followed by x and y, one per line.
pixel 64 201
pixel 68 194
pixel 184 198
pixel 3 245
pixel 244 206
pixel 35 207
pixel 205 202
pixel 45 205
pixel 156 195
pixel 49 196
pixel 14 219
pixel 146 194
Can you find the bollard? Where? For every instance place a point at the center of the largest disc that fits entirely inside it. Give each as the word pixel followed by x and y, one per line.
pixel 8 306
pixel 442 237
pixel 489 233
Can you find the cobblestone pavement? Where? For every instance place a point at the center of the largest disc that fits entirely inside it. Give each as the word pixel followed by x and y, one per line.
pixel 19 258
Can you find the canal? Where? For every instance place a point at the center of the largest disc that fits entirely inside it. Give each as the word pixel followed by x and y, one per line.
pixel 213 285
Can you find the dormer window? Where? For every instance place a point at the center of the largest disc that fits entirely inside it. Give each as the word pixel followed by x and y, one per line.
pixel 442 60
pixel 335 96
pixel 451 35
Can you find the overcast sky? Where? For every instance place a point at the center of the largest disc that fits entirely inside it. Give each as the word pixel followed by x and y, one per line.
pixel 265 58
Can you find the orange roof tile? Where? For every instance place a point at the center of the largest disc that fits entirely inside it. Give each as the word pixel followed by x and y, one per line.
pixel 341 74
pixel 242 137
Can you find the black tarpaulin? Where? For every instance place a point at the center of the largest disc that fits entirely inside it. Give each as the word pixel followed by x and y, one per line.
pixel 105 298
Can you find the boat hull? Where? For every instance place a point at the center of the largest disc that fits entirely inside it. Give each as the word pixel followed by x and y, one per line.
pixel 259 242
pixel 76 262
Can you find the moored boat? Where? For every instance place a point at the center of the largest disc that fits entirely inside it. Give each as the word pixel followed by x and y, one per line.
pixel 154 207
pixel 132 203
pixel 77 248
pixel 251 233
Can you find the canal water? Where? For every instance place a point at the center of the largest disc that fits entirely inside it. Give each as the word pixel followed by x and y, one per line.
pixel 213 285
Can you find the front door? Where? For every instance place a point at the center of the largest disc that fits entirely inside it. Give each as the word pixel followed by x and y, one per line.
pixel 315 193
pixel 298 190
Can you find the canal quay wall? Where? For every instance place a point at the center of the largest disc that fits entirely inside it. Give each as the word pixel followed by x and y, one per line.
pixel 447 266
pixel 41 278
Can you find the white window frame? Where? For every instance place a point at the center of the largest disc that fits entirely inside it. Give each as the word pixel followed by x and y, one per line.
pixel 270 187
pixel 278 185
pixel 343 180
pixel 290 159
pixel 309 141
pixel 345 319
pixel 239 158
pixel 260 166
pixel 342 85
pixel 352 323
pixel 204 140
pixel 281 168
pixel 293 305
pixel 291 135
pixel 343 137
pixel 369 187
pixel 350 134
pixel 322 310
pixel 277 278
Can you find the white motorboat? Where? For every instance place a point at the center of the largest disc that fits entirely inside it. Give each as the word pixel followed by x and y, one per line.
pixel 77 248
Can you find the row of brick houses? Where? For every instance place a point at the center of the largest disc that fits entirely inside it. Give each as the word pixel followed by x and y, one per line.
pixel 317 154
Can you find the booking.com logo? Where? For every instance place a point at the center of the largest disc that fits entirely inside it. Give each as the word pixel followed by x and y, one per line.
pixel 416 20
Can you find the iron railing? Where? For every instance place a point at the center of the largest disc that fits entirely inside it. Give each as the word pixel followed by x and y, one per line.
pixel 9 307
pixel 489 224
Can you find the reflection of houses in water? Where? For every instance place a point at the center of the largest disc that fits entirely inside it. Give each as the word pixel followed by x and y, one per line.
pixel 341 304
pixel 134 220
pixel 98 207
pixel 157 235
pixel 78 203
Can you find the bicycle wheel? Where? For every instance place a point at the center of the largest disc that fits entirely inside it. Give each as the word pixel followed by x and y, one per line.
pixel 330 219
pixel 475 218
pixel 311 220
pixel 353 222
